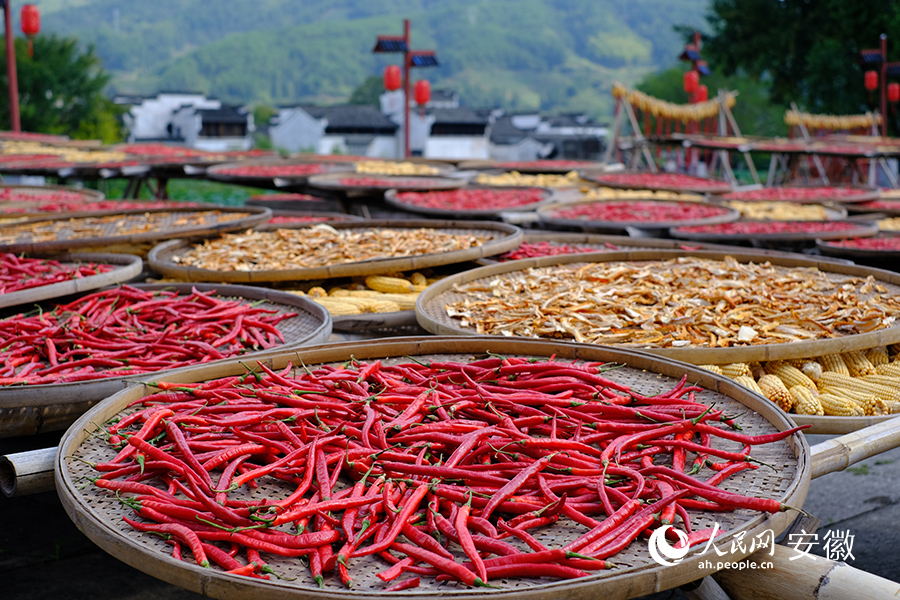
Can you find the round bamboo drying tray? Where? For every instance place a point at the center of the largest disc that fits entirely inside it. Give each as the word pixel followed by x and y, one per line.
pixel 617 243
pixel 432 315
pixel 43 190
pixel 860 194
pixel 503 237
pixel 305 217
pixel 27 410
pixel 126 267
pixel 391 198
pixel 547 216
pixel 854 229
pixel 169 223
pixel 698 185
pixel 373 184
pixel 98 514
pixel 831 425
pixel 220 172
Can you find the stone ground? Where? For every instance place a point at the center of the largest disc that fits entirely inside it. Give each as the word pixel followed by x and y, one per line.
pixel 43 556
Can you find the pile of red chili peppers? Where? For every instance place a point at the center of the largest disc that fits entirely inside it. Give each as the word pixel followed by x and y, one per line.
pixel 443 469
pixel 128 331
pixel 19 273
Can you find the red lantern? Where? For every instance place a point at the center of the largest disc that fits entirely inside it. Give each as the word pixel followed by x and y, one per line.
pixel 31 20
pixel 422 92
pixel 392 78
pixel 702 94
pixel 691 81
pixel 871 80
pixel 894 92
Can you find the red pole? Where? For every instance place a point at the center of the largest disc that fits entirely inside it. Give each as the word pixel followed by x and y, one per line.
pixel 406 151
pixel 11 71
pixel 883 88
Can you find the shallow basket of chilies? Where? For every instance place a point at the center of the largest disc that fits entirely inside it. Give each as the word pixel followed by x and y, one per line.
pixel 27 409
pixel 99 514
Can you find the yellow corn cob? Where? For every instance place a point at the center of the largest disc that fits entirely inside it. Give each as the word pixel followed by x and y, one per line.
pixel 735 370
pixel 791 376
pixel 866 402
pixel 891 382
pixel 877 356
pixel 749 383
pixel 858 385
pixel 773 388
pixel 418 280
pixel 893 350
pixel 393 285
pixel 839 406
pixel 858 364
pixel 812 369
pixel 404 301
pixel 890 369
pixel 713 368
pixel 367 305
pixel 336 307
pixel 834 362
pixel 805 401
pixel 795 362
pixel 317 292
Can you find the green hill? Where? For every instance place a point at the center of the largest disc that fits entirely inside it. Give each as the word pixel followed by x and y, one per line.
pixel 555 55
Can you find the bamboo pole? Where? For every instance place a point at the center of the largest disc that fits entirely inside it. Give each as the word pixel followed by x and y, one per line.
pixel 839 453
pixel 805 578
pixel 26 473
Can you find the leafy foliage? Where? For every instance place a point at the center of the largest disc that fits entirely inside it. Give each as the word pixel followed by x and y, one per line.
pixel 553 55
pixel 806 51
pixel 61 91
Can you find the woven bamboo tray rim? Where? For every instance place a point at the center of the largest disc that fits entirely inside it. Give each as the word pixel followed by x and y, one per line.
pixel 715 186
pixel 504 237
pixel 41 190
pixel 313 214
pixel 166 228
pixel 337 182
pixel 217 173
pixel 96 514
pixel 864 194
pixel 859 229
pixel 829 425
pixel 432 316
pixel 126 266
pixel 546 215
pixel 600 240
pixel 830 249
pixel 390 197
pixel 25 410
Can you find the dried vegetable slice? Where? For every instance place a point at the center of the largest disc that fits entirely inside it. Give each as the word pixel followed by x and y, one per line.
pixel 320 245
pixel 683 302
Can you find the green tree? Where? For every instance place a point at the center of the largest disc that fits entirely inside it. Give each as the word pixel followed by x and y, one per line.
pixel 754 113
pixel 808 52
pixel 61 91
pixel 368 92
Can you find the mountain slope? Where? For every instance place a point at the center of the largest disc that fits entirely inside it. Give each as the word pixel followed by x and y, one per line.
pixel 555 55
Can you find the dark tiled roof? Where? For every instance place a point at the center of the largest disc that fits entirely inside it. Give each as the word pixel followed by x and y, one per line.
pixel 504 132
pixel 225 114
pixel 352 116
pixel 459 116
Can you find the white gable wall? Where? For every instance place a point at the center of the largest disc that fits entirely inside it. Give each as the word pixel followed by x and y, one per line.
pixel 296 130
pixel 150 118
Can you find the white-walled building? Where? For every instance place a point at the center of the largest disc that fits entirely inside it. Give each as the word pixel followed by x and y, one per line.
pixel 341 129
pixel 188 118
